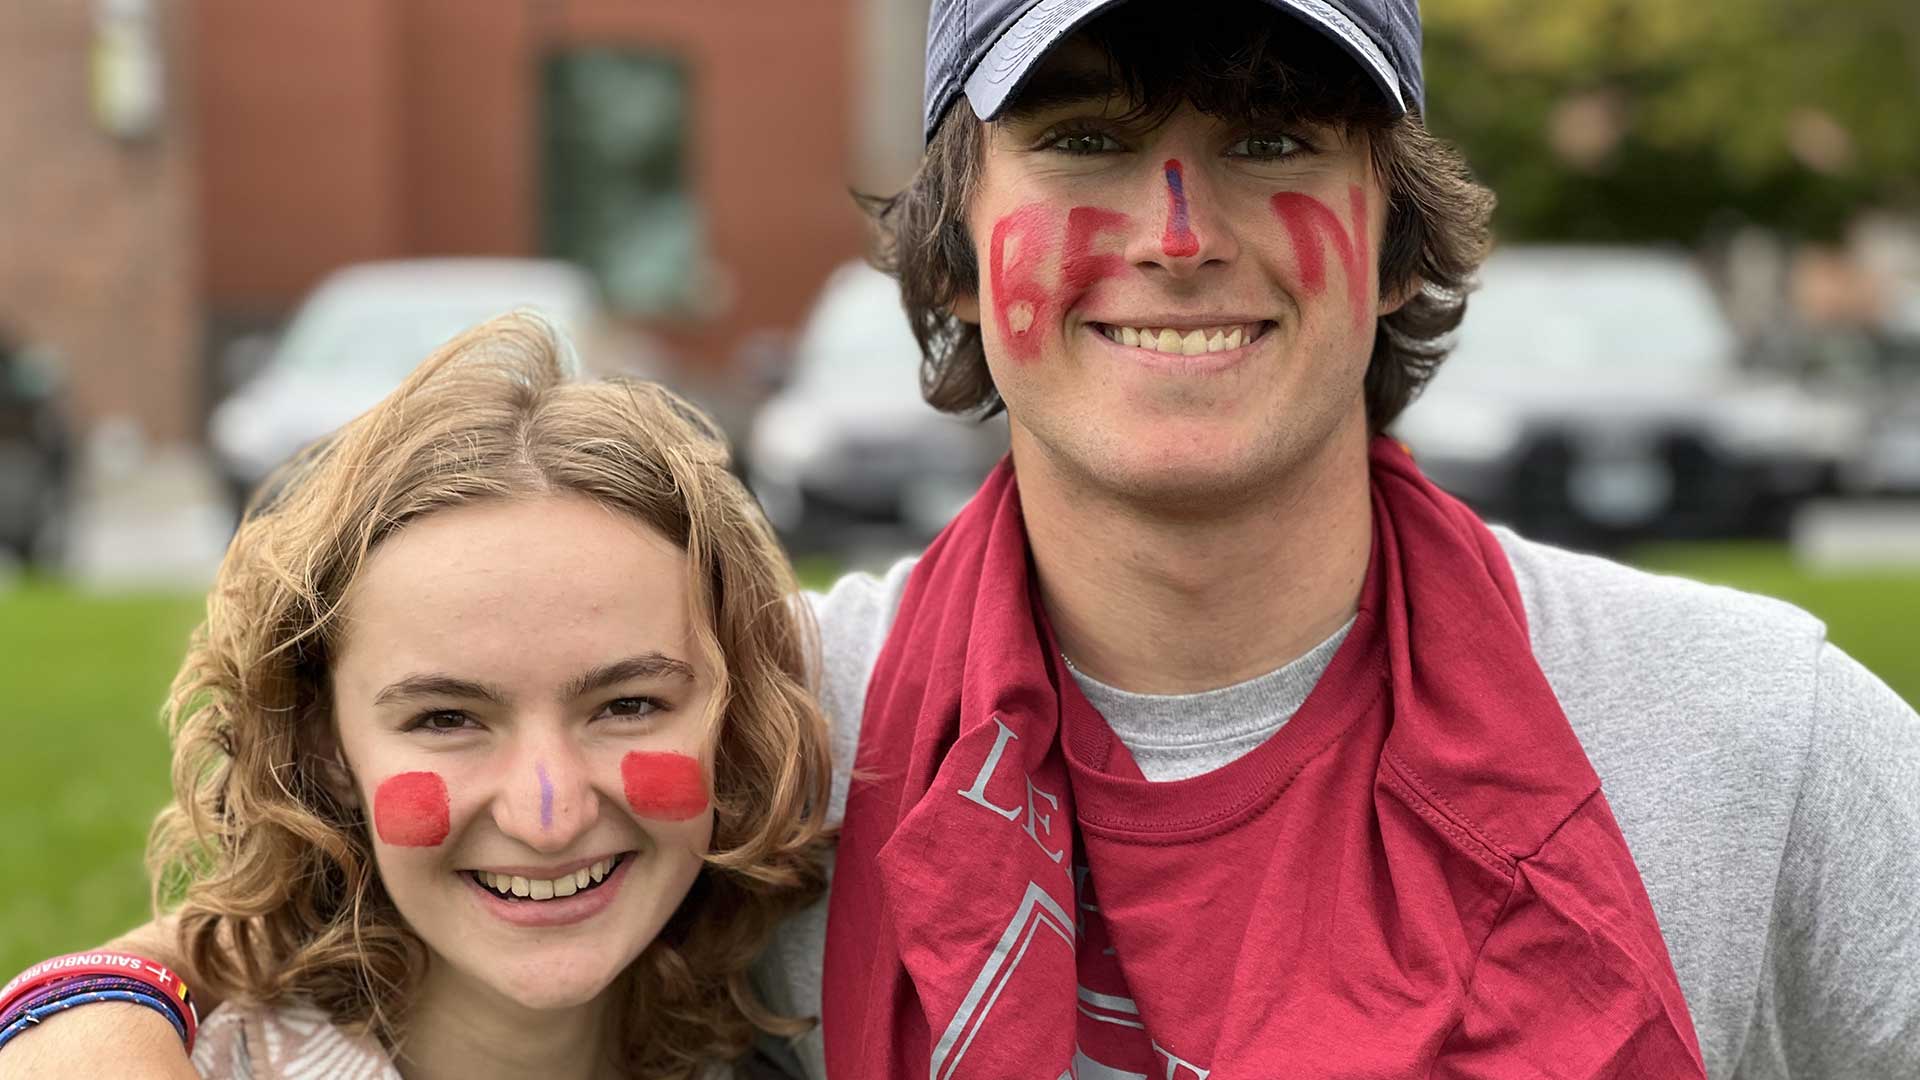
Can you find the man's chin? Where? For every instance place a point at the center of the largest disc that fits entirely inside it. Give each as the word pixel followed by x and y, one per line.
pixel 1174 475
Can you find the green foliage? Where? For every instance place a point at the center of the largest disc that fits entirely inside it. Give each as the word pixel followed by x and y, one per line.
pixel 1791 113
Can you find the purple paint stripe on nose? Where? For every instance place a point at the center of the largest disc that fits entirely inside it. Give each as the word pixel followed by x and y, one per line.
pixel 546 796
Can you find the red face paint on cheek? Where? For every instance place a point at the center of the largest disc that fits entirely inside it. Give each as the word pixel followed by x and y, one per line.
pixel 666 786
pixel 1308 221
pixel 1178 241
pixel 410 810
pixel 1085 267
pixel 1021 306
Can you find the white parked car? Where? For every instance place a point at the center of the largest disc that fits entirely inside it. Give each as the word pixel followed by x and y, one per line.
pixel 848 442
pixel 1598 394
pixel 360 331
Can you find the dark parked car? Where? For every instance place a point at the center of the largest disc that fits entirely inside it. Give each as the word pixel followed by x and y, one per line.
pixel 1880 369
pixel 35 457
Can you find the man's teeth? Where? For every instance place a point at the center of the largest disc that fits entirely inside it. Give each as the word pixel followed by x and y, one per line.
pixel 527 889
pixel 1183 342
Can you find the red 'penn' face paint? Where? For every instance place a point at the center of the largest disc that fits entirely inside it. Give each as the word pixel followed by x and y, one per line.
pixel 1019 263
pixel 1308 220
pixel 410 810
pixel 1084 268
pixel 1178 241
pixel 1020 301
pixel 666 786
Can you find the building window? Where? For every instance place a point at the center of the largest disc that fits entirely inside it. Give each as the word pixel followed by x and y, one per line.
pixel 615 193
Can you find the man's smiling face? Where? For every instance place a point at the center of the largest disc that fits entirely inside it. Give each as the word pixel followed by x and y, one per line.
pixel 1176 306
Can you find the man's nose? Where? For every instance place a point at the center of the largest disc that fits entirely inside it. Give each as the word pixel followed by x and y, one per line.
pixel 547 798
pixel 1193 231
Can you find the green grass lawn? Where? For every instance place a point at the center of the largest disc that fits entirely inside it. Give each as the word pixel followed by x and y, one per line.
pixel 82 678
pixel 81 683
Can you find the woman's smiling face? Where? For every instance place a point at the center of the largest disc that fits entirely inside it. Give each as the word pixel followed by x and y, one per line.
pixel 521 703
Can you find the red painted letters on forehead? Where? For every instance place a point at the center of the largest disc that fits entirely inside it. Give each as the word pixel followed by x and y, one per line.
pixel 1308 220
pixel 410 810
pixel 667 786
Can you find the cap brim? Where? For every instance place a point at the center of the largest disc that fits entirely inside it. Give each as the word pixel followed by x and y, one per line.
pixel 1010 60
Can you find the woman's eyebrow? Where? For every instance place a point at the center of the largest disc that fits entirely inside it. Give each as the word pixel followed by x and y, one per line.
pixel 651 665
pixel 437 686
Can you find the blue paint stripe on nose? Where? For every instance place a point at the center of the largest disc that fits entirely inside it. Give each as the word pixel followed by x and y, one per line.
pixel 546 796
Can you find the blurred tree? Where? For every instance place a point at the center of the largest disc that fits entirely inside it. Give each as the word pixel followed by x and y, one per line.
pixel 1649 119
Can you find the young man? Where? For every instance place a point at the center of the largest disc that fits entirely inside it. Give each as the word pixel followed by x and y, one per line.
pixel 1219 744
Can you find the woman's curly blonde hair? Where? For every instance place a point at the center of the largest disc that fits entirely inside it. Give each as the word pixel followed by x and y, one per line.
pixel 274 876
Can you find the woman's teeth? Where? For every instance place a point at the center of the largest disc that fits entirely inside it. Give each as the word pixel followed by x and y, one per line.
pixel 526 889
pixel 1184 342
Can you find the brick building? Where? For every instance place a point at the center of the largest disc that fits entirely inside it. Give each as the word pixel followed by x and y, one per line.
pixel 98 240
pixel 696 155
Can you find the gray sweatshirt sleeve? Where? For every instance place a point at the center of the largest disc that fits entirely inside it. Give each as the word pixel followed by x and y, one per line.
pixel 853 617
pixel 1840 994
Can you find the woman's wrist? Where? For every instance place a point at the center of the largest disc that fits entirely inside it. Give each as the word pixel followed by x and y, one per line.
pixel 126 1042
pixel 56 986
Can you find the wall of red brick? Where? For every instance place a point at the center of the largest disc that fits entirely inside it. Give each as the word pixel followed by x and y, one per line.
pixel 302 140
pixel 367 129
pixel 97 236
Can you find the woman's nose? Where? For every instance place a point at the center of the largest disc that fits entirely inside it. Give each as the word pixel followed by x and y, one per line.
pixel 548 799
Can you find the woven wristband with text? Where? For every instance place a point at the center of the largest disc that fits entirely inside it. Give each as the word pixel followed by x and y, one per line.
pixel 167 986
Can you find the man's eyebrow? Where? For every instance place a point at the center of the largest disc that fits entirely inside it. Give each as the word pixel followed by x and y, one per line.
pixel 652 665
pixel 1055 87
pixel 437 686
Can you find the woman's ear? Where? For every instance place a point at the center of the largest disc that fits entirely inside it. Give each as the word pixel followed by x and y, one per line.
pixel 331 766
pixel 966 307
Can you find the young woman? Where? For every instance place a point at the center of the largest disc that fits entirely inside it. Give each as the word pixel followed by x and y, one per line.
pixel 494 756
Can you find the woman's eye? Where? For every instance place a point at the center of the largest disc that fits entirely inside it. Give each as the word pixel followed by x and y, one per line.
pixel 631 706
pixel 1086 142
pixel 443 721
pixel 1266 147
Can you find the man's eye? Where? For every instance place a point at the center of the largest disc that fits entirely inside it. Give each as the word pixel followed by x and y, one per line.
pixel 631 707
pixel 1266 147
pixel 1086 142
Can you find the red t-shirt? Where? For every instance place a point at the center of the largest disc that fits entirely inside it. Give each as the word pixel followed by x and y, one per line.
pixel 1405 929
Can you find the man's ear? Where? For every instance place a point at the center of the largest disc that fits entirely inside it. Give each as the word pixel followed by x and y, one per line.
pixel 966 307
pixel 1400 297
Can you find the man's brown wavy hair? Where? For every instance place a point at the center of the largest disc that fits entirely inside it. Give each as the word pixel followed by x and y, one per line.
pixel 1233 60
pixel 278 893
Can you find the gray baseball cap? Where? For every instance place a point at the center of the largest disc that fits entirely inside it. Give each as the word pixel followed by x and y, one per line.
pixel 988 48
